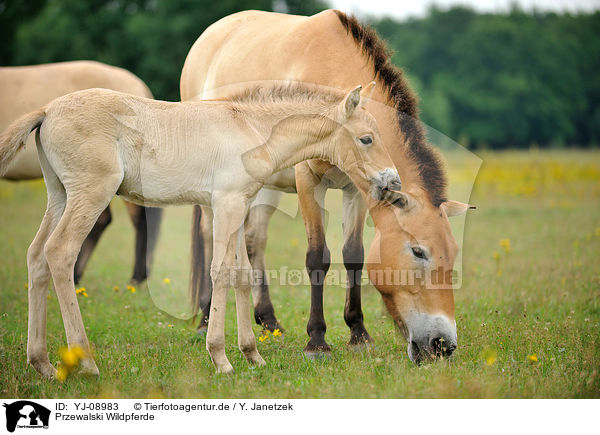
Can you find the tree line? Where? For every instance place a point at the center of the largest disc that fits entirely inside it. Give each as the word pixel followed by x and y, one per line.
pixel 503 80
pixel 486 80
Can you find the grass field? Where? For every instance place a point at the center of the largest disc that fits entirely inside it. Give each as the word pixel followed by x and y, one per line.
pixel 528 313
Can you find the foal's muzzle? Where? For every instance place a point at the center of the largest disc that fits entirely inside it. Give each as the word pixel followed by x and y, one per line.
pixel 386 180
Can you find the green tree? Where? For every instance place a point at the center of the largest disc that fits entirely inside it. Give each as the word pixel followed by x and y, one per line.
pixel 503 79
pixel 151 38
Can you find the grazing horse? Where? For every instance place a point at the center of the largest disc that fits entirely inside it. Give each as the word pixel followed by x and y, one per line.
pixel 26 88
pixel 96 143
pixel 332 49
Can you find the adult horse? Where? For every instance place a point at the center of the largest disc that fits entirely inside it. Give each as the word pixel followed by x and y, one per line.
pixel 335 50
pixel 26 88
pixel 96 143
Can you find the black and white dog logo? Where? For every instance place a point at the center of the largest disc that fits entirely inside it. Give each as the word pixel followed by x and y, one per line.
pixel 26 414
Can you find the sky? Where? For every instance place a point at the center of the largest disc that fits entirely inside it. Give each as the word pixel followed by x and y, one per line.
pixel 415 8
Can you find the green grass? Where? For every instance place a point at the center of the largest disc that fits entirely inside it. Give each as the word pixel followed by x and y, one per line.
pixel 541 298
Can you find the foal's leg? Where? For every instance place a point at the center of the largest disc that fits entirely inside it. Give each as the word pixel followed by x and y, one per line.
pixel 39 275
pixel 311 195
pixel 84 205
pixel 353 252
pixel 229 212
pixel 256 228
pixel 246 338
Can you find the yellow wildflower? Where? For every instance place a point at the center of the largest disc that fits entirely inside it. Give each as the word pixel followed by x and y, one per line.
pixel 116 288
pixel 277 333
pixel 71 356
pixel 532 358
pixel 80 291
pixel 78 351
pixel 167 281
pixel 170 325
pixel 496 255
pixel 131 288
pixel 62 373
pixel 505 243
pixel 294 242
pixel 262 338
pixel 26 286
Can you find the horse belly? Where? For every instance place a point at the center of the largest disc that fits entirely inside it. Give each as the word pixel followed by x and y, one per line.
pixel 167 184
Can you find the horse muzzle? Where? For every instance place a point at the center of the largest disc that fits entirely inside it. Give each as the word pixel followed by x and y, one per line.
pixel 384 182
pixel 430 338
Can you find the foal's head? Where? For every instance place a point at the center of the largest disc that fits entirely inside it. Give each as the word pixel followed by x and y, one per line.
pixel 317 125
pixel 359 150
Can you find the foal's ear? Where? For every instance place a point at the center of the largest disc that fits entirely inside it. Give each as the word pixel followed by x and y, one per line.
pixel 455 208
pixel 367 93
pixel 349 104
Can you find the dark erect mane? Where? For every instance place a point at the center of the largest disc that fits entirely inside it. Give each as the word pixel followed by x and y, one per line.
pixel 430 167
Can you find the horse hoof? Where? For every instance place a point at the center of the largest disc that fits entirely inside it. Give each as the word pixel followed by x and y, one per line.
pixel 46 370
pixel 271 324
pixel 226 370
pixel 258 360
pixel 42 365
pixel 87 367
pixel 202 331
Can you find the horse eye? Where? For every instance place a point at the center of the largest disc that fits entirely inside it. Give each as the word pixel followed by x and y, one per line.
pixel 419 253
pixel 366 140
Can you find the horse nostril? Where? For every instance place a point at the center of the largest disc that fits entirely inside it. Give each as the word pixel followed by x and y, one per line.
pixel 395 184
pixel 415 346
pixel 415 351
pixel 441 347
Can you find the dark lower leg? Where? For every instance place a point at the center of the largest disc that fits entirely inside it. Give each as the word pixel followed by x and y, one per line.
pixel 318 260
pixel 264 313
pixel 353 253
pixel 256 225
pixel 146 222
pixel 90 242
pixel 203 325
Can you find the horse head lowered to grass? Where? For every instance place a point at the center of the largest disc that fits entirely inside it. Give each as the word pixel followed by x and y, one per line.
pixel 96 143
pixel 334 50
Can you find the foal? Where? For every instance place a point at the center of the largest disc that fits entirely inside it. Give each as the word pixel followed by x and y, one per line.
pixel 96 143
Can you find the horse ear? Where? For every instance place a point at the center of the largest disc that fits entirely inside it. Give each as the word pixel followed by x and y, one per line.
pixel 349 104
pixel 367 93
pixel 455 208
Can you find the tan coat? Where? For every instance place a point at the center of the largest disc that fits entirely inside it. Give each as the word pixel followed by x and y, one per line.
pixel 26 88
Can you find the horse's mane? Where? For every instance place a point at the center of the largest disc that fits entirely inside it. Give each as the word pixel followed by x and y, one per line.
pixel 405 102
pixel 282 92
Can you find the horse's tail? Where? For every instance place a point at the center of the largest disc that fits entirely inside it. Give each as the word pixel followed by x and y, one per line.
pixel 197 267
pixel 14 137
